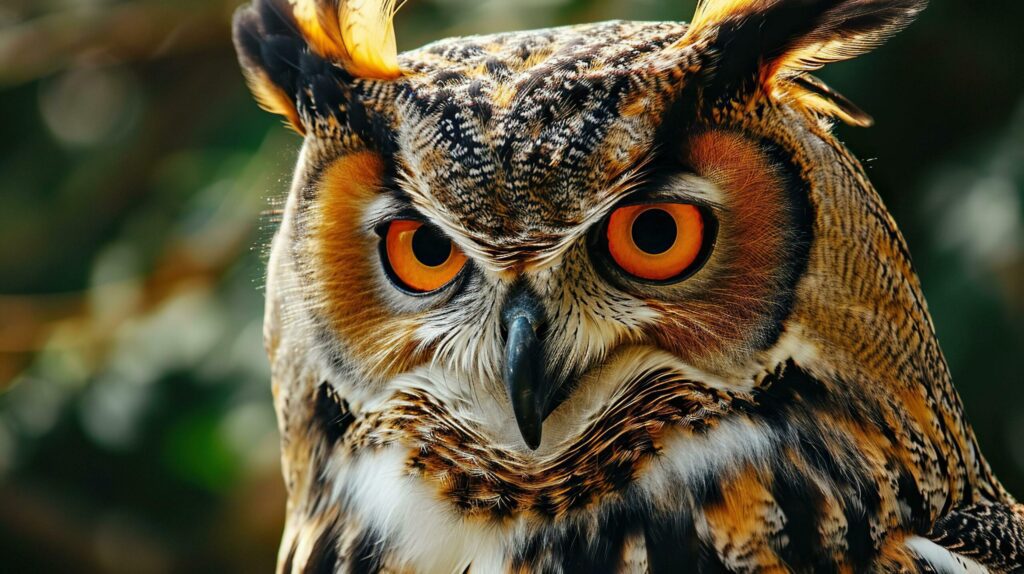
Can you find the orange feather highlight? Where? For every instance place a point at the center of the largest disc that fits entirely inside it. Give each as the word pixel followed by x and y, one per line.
pixel 358 34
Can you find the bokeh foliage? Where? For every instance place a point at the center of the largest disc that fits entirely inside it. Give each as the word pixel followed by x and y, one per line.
pixel 138 192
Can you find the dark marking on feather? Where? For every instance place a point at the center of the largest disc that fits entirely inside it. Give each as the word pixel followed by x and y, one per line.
pixel 366 556
pixel 332 413
pixel 801 502
pixel 861 550
pixel 323 559
pixel 673 546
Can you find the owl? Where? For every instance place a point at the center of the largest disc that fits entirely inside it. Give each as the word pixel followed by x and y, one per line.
pixel 603 298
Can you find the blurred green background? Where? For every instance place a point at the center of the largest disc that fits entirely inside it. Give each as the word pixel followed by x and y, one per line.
pixel 138 186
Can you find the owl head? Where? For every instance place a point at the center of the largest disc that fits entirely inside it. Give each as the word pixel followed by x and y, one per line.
pixel 540 250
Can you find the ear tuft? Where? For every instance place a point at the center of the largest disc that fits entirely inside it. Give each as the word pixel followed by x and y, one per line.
pixel 755 45
pixel 264 64
pixel 357 34
pixel 295 54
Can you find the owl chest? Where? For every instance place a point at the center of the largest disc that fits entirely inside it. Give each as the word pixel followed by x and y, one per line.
pixel 709 504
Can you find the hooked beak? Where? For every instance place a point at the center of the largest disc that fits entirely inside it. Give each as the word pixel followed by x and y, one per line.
pixel 528 389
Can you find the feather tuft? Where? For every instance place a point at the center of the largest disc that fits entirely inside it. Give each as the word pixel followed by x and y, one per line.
pixel 769 46
pixel 804 35
pixel 357 34
pixel 818 96
pixel 368 32
pixel 709 13
pixel 262 66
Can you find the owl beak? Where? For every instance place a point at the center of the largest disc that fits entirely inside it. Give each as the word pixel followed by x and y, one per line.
pixel 523 371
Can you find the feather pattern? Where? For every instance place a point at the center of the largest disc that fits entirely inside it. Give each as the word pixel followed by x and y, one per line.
pixel 992 534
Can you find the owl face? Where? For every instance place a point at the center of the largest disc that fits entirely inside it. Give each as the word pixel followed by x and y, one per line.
pixel 530 208
pixel 531 257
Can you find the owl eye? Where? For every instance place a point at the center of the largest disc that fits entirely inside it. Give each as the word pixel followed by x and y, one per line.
pixel 419 257
pixel 657 241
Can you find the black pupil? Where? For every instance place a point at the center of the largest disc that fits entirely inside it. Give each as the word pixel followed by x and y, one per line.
pixel 430 247
pixel 654 231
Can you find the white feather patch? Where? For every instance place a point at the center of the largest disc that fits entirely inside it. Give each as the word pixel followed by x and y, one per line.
pixel 421 528
pixel 944 561
pixel 687 460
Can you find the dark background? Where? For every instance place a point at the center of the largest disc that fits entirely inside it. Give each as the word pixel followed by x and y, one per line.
pixel 136 427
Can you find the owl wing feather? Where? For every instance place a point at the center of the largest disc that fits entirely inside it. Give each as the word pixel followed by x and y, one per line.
pixel 990 534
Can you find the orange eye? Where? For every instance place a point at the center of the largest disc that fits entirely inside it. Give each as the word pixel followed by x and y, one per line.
pixel 420 257
pixel 658 241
